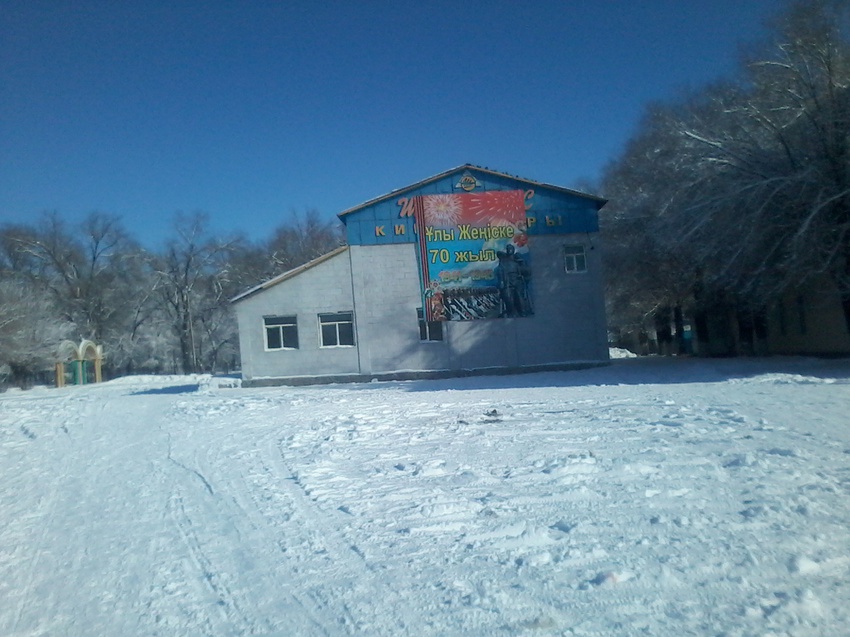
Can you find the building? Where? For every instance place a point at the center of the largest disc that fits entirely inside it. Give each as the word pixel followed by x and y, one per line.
pixel 809 321
pixel 470 271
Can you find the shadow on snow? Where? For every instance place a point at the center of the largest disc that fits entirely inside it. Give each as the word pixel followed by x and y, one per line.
pixel 173 389
pixel 643 371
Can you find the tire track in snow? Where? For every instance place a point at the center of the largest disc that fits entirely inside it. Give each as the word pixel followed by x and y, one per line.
pixel 197 473
pixel 659 513
pixel 562 471
pixel 341 562
pixel 65 411
pixel 197 592
pixel 228 604
pixel 242 501
pixel 333 570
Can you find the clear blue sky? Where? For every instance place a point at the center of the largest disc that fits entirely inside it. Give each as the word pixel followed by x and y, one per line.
pixel 249 110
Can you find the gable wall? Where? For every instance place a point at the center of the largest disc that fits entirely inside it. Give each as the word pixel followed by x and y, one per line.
pixel 386 288
pixel 568 324
pixel 553 211
pixel 323 288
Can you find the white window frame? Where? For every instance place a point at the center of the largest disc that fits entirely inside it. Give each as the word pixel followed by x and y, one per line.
pixel 326 319
pixel 575 259
pixel 290 321
pixel 428 328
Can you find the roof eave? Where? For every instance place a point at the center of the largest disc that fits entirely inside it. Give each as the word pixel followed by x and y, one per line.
pixel 280 278
pixel 395 193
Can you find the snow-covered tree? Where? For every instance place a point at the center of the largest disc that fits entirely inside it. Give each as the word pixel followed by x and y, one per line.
pixel 160 311
pixel 96 276
pixel 30 331
pixel 303 238
pixel 191 288
pixel 742 190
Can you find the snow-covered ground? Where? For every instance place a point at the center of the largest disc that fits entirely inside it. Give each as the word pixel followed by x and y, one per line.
pixel 652 497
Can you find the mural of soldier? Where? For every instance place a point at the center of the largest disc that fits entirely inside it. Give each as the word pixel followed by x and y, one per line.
pixel 463 275
pixel 436 304
pixel 513 277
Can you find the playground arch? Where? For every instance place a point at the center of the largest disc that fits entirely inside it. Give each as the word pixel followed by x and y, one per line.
pixel 79 358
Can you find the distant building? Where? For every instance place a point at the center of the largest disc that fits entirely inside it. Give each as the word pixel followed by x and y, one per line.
pixel 806 320
pixel 470 271
pixel 809 321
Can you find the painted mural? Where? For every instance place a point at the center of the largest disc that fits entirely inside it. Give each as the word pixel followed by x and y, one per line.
pixel 473 254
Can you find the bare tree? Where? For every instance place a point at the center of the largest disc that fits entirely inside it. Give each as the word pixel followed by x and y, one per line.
pixel 303 238
pixel 743 189
pixel 190 283
pixel 165 311
pixel 30 331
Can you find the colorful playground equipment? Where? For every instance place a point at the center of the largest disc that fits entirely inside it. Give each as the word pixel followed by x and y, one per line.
pixel 79 358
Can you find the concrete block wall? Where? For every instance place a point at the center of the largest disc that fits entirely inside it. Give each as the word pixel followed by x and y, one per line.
pixel 387 295
pixel 568 325
pixel 570 322
pixel 326 287
pixel 380 284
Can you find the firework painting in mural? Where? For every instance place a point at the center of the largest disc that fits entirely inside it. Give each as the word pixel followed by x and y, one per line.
pixel 474 254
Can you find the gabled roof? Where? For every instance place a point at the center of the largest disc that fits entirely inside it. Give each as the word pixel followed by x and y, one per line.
pixel 424 182
pixel 280 278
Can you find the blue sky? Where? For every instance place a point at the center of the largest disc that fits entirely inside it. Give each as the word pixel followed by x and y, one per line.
pixel 250 110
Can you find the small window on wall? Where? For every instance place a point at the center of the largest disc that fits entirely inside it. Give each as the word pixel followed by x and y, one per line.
pixel 575 259
pixel 337 329
pixel 281 332
pixel 429 330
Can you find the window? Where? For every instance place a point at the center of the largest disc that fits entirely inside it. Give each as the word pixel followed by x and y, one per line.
pixel 337 329
pixel 575 259
pixel 429 330
pixel 281 332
